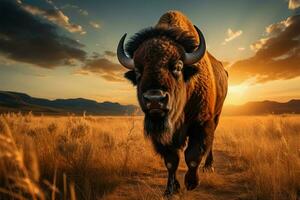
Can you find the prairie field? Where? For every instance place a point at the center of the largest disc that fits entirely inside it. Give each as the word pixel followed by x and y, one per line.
pixel 85 157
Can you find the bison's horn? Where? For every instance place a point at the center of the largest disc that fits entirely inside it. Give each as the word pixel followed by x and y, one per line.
pixel 122 57
pixel 191 58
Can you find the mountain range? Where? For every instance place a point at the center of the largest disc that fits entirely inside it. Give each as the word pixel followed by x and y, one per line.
pixel 21 102
pixel 263 108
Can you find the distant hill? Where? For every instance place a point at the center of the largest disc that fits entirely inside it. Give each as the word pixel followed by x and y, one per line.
pixel 264 108
pixel 20 102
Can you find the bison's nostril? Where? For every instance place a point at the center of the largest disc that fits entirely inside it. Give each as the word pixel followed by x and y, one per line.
pixel 155 97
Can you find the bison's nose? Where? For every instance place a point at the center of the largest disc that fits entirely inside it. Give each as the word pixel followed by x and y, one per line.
pixel 155 98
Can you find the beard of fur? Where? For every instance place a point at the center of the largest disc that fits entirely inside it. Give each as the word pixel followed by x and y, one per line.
pixel 159 130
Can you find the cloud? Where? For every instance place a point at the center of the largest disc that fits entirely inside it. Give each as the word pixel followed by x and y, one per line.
pixel 26 38
pixel 231 35
pixel 95 25
pixel 258 44
pixel 277 56
pixel 105 68
pixel 83 12
pixel 75 7
pixel 241 48
pixel 4 62
pixel 101 65
pixel 294 4
pixel 110 53
pixel 55 16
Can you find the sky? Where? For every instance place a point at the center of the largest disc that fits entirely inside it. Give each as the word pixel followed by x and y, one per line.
pixel 67 48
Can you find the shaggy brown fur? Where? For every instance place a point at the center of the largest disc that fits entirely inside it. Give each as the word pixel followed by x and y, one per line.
pixel 196 95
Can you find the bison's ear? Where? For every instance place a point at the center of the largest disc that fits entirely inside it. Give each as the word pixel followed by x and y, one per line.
pixel 131 76
pixel 189 72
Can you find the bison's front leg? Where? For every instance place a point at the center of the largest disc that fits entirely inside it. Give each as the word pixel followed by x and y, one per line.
pixel 200 143
pixel 171 158
pixel 208 165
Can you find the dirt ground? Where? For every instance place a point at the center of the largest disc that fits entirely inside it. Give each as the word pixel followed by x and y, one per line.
pixel 226 182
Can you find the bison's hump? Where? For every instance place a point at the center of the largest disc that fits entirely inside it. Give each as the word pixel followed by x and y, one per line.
pixel 176 19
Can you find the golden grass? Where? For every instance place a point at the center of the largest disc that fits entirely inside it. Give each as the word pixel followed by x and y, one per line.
pixel 268 148
pixel 90 157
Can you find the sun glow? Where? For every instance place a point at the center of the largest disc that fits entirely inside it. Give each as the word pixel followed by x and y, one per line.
pixel 236 93
pixel 237 89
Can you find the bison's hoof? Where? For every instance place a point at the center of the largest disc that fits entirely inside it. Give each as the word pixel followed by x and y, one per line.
pixel 172 188
pixel 208 169
pixel 191 180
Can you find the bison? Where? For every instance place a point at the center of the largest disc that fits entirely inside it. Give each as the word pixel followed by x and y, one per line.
pixel 180 88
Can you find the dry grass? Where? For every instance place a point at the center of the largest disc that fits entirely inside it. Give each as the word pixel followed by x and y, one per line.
pixel 91 153
pixel 89 157
pixel 268 148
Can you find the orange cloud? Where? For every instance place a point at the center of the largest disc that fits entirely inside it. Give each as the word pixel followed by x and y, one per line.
pixel 294 4
pixel 277 56
pixel 55 16
pixel 25 38
pixel 110 53
pixel 105 68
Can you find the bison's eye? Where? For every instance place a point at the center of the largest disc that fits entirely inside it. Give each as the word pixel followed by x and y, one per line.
pixel 177 68
pixel 137 74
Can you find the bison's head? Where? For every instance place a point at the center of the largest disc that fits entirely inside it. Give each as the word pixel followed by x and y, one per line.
pixel 161 63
